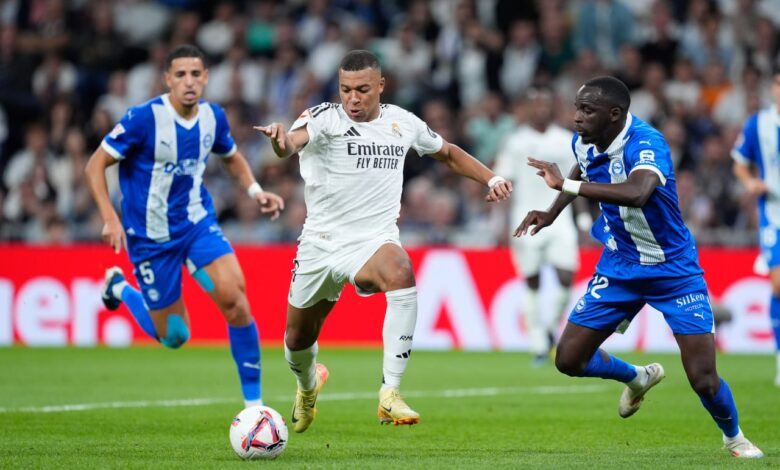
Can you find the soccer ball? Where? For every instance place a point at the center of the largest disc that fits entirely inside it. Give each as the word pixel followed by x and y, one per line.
pixel 258 432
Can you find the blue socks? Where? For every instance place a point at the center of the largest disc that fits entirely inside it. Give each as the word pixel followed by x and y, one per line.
pixel 723 409
pixel 245 347
pixel 774 318
pixel 613 368
pixel 135 303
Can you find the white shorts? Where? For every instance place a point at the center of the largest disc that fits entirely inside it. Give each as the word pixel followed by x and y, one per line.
pixel 321 267
pixel 555 245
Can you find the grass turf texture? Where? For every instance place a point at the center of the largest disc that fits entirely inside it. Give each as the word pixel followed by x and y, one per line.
pixel 515 416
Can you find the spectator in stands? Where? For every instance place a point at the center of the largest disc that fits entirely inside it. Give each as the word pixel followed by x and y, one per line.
pixel 520 59
pixel 488 128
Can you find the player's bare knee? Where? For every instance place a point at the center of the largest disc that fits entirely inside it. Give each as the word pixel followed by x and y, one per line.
pixel 298 339
pixel 705 384
pixel 568 366
pixel 400 277
pixel 235 308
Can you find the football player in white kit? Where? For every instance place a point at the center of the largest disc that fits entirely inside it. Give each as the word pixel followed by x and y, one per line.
pixel 351 159
pixel 558 246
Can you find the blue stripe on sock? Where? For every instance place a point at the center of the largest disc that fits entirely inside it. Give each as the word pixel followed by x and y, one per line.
pixel 135 303
pixel 612 368
pixel 723 409
pixel 245 347
pixel 774 317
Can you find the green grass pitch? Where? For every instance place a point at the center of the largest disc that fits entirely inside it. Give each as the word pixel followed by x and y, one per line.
pixel 479 410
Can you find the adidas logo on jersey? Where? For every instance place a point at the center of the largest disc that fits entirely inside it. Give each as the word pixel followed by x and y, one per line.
pixel 352 133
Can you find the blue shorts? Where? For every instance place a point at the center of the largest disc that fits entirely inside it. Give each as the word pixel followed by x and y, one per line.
pixel 770 248
pixel 158 265
pixel 609 301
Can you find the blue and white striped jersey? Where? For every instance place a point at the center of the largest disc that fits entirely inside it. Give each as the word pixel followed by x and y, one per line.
pixel 162 159
pixel 654 234
pixel 759 144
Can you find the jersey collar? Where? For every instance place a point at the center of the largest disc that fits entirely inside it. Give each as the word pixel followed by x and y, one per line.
pixel 185 123
pixel 617 145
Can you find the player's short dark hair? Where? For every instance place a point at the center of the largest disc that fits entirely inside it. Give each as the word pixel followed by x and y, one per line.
pixel 185 50
pixel 615 91
pixel 359 59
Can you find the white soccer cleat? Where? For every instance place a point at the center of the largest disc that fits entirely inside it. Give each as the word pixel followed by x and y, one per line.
pixel 742 448
pixel 631 400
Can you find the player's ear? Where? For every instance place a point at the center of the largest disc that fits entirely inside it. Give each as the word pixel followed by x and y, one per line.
pixel 205 77
pixel 615 113
pixel 381 84
pixel 166 79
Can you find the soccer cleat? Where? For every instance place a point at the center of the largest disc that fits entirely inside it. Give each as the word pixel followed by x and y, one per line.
pixel 631 400
pixel 114 276
pixel 393 409
pixel 742 448
pixel 304 408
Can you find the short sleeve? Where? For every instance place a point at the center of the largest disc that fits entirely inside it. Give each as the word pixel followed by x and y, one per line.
pixel 224 144
pixel 315 119
pixel 126 135
pixel 745 149
pixel 650 153
pixel 426 141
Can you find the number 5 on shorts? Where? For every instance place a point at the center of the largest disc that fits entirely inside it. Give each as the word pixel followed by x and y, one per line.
pixel 147 275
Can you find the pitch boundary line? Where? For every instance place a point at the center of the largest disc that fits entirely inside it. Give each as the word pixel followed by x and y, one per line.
pixel 344 396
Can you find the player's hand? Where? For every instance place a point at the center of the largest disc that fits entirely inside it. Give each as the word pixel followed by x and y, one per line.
pixel 537 219
pixel 756 187
pixel 549 171
pixel 275 131
pixel 499 192
pixel 114 235
pixel 270 203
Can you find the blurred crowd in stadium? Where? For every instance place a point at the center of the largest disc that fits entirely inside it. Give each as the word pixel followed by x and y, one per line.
pixel 70 69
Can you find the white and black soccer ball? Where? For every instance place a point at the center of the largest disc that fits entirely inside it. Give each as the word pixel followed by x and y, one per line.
pixel 258 432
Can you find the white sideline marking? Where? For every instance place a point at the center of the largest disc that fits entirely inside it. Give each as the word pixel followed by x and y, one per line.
pixel 451 393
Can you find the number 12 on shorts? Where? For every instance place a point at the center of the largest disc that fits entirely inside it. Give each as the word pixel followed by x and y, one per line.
pixel 598 283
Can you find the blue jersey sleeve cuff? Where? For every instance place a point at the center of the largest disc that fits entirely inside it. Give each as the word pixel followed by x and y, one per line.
pixel 654 169
pixel 227 154
pixel 111 150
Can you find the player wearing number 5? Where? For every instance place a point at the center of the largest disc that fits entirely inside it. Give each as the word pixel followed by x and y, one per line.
pixel 650 256
pixel 168 218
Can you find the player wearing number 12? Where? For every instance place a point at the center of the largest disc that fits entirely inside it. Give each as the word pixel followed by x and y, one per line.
pixel 650 257
pixel 168 219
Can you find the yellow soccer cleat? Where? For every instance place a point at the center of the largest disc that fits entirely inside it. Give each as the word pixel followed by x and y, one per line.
pixel 393 409
pixel 304 409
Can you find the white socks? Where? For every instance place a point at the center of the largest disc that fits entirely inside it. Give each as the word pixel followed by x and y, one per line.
pixel 537 333
pixel 303 365
pixel 397 334
pixel 640 380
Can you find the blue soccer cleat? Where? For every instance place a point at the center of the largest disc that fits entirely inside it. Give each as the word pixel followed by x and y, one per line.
pixel 114 276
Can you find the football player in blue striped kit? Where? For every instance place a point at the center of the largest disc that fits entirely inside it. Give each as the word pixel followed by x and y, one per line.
pixel 650 257
pixel 756 155
pixel 168 218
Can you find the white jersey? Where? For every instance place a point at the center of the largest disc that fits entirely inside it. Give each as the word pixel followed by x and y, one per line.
pixel 353 171
pixel 530 191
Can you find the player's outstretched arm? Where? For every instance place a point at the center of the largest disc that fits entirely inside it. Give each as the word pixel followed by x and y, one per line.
pixel 284 143
pixel 113 233
pixel 466 165
pixel 541 219
pixel 634 192
pixel 237 166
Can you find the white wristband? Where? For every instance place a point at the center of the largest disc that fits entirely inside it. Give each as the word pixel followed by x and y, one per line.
pixel 495 180
pixel 254 189
pixel 571 186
